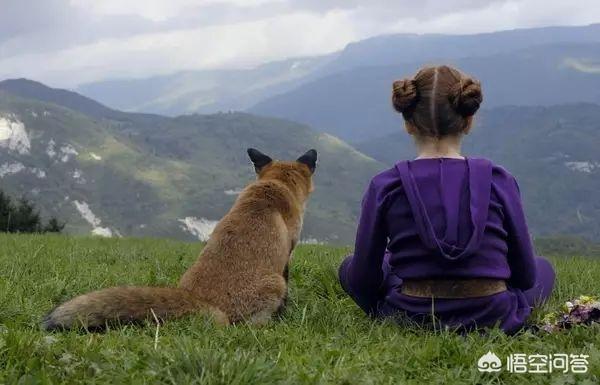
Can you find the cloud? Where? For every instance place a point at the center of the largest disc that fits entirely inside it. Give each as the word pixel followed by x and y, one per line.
pixel 68 42
pixel 54 25
pixel 161 10
pixel 234 45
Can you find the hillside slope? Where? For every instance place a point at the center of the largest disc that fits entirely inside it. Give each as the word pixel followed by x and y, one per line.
pixel 148 175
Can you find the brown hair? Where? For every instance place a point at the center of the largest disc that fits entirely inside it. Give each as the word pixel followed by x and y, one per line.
pixel 438 101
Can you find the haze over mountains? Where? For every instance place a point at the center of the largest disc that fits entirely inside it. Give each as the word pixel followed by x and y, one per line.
pixel 203 91
pixel 109 171
pixel 559 52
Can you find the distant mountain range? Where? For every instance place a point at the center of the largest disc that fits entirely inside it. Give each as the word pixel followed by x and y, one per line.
pixel 203 91
pixel 367 67
pixel 115 173
pixel 355 104
pixel 396 49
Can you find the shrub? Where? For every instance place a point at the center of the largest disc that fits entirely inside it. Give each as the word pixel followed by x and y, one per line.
pixel 22 217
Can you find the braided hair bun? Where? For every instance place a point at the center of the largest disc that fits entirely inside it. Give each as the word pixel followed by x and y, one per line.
pixel 465 97
pixel 438 101
pixel 404 95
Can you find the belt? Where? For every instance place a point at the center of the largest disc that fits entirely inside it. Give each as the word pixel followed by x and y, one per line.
pixel 453 288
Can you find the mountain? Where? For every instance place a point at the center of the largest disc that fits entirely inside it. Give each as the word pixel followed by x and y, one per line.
pixel 203 91
pixel 30 89
pixel 148 175
pixel 553 152
pixel 355 104
pixel 224 90
pixel 117 173
pixel 402 48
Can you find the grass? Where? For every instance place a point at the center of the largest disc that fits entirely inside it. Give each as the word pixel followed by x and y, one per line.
pixel 323 337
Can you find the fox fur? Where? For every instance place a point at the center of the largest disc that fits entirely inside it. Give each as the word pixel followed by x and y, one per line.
pixel 241 273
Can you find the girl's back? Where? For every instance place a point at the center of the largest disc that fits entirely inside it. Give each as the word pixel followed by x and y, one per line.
pixel 462 215
pixel 444 232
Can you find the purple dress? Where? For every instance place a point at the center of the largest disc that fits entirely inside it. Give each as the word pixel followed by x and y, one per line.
pixel 445 218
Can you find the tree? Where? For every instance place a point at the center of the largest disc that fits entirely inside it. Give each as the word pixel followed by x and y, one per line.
pixel 54 226
pixel 22 217
pixel 6 211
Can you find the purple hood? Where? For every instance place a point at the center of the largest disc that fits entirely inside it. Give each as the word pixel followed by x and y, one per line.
pixel 478 187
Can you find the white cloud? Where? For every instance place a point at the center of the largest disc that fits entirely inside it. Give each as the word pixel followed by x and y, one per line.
pixel 234 45
pixel 158 10
pixel 96 40
pixel 505 15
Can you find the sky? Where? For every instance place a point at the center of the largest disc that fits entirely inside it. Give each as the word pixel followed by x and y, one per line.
pixel 65 43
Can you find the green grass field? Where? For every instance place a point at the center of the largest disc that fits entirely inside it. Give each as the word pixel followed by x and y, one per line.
pixel 323 338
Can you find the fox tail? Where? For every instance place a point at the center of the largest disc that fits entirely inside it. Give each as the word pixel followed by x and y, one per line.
pixel 126 304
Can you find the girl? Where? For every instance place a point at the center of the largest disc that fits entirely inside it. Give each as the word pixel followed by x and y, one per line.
pixel 444 236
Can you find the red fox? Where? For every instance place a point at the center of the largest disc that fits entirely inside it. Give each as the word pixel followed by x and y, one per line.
pixel 240 275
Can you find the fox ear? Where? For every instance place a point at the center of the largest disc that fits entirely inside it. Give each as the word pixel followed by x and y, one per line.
pixel 259 159
pixel 309 159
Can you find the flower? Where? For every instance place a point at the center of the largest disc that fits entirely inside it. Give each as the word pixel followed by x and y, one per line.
pixel 584 310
